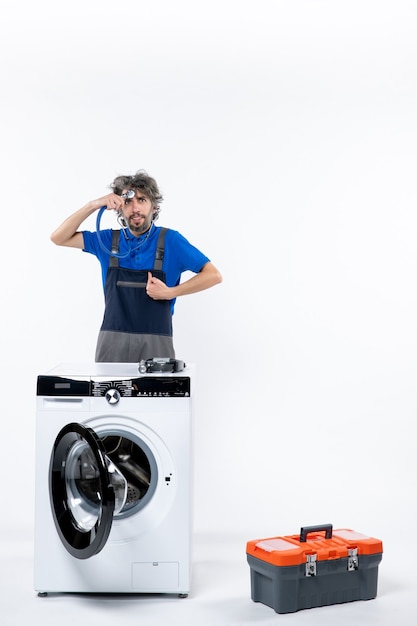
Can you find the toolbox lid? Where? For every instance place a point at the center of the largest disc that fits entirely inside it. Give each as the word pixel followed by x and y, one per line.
pixel 326 544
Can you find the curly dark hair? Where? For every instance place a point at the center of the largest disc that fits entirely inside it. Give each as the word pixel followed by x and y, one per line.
pixel 141 180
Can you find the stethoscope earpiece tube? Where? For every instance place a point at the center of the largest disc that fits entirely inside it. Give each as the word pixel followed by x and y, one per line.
pixel 131 248
pixel 100 241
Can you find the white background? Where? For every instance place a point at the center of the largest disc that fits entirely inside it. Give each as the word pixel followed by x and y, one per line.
pixel 283 136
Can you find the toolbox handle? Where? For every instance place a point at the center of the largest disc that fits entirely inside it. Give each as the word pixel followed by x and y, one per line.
pixel 305 530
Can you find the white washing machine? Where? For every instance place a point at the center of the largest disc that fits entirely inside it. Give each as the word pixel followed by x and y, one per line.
pixel 113 480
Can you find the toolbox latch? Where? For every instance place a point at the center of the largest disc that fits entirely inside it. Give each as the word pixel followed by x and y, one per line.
pixel 353 560
pixel 311 567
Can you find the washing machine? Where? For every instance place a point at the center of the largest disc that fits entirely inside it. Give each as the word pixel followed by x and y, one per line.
pixel 113 511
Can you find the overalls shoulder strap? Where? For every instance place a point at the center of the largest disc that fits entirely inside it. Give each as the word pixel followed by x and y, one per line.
pixel 159 254
pixel 160 250
pixel 115 238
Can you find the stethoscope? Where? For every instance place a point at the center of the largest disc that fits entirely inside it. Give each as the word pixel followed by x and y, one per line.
pixel 126 196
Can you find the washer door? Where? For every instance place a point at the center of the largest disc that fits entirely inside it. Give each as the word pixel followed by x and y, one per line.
pixel 81 491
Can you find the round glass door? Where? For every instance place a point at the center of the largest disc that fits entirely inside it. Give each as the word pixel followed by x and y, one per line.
pixel 86 490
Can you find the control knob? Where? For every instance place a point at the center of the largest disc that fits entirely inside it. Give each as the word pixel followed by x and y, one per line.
pixel 112 395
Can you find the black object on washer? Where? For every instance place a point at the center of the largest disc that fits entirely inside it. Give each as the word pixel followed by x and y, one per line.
pixel 160 365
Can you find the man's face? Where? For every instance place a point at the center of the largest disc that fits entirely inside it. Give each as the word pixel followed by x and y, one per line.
pixel 138 213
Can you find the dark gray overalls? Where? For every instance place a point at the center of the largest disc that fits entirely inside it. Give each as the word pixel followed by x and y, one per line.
pixel 135 326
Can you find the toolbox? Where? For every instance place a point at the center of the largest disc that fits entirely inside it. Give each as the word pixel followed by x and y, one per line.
pixel 318 567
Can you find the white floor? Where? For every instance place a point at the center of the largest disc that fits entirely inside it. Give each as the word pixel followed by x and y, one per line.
pixel 220 594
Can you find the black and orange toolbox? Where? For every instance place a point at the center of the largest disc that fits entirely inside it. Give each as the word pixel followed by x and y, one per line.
pixel 318 567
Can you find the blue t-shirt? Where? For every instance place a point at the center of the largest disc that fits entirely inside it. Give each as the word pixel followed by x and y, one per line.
pixel 180 256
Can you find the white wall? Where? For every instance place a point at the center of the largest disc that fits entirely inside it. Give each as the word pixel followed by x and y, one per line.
pixel 283 135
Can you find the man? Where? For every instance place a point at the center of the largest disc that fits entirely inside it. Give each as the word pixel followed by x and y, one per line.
pixel 141 270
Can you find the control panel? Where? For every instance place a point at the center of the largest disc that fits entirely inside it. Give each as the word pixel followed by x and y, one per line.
pixel 140 387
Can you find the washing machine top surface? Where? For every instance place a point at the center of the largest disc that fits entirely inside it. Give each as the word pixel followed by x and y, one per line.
pixel 123 370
